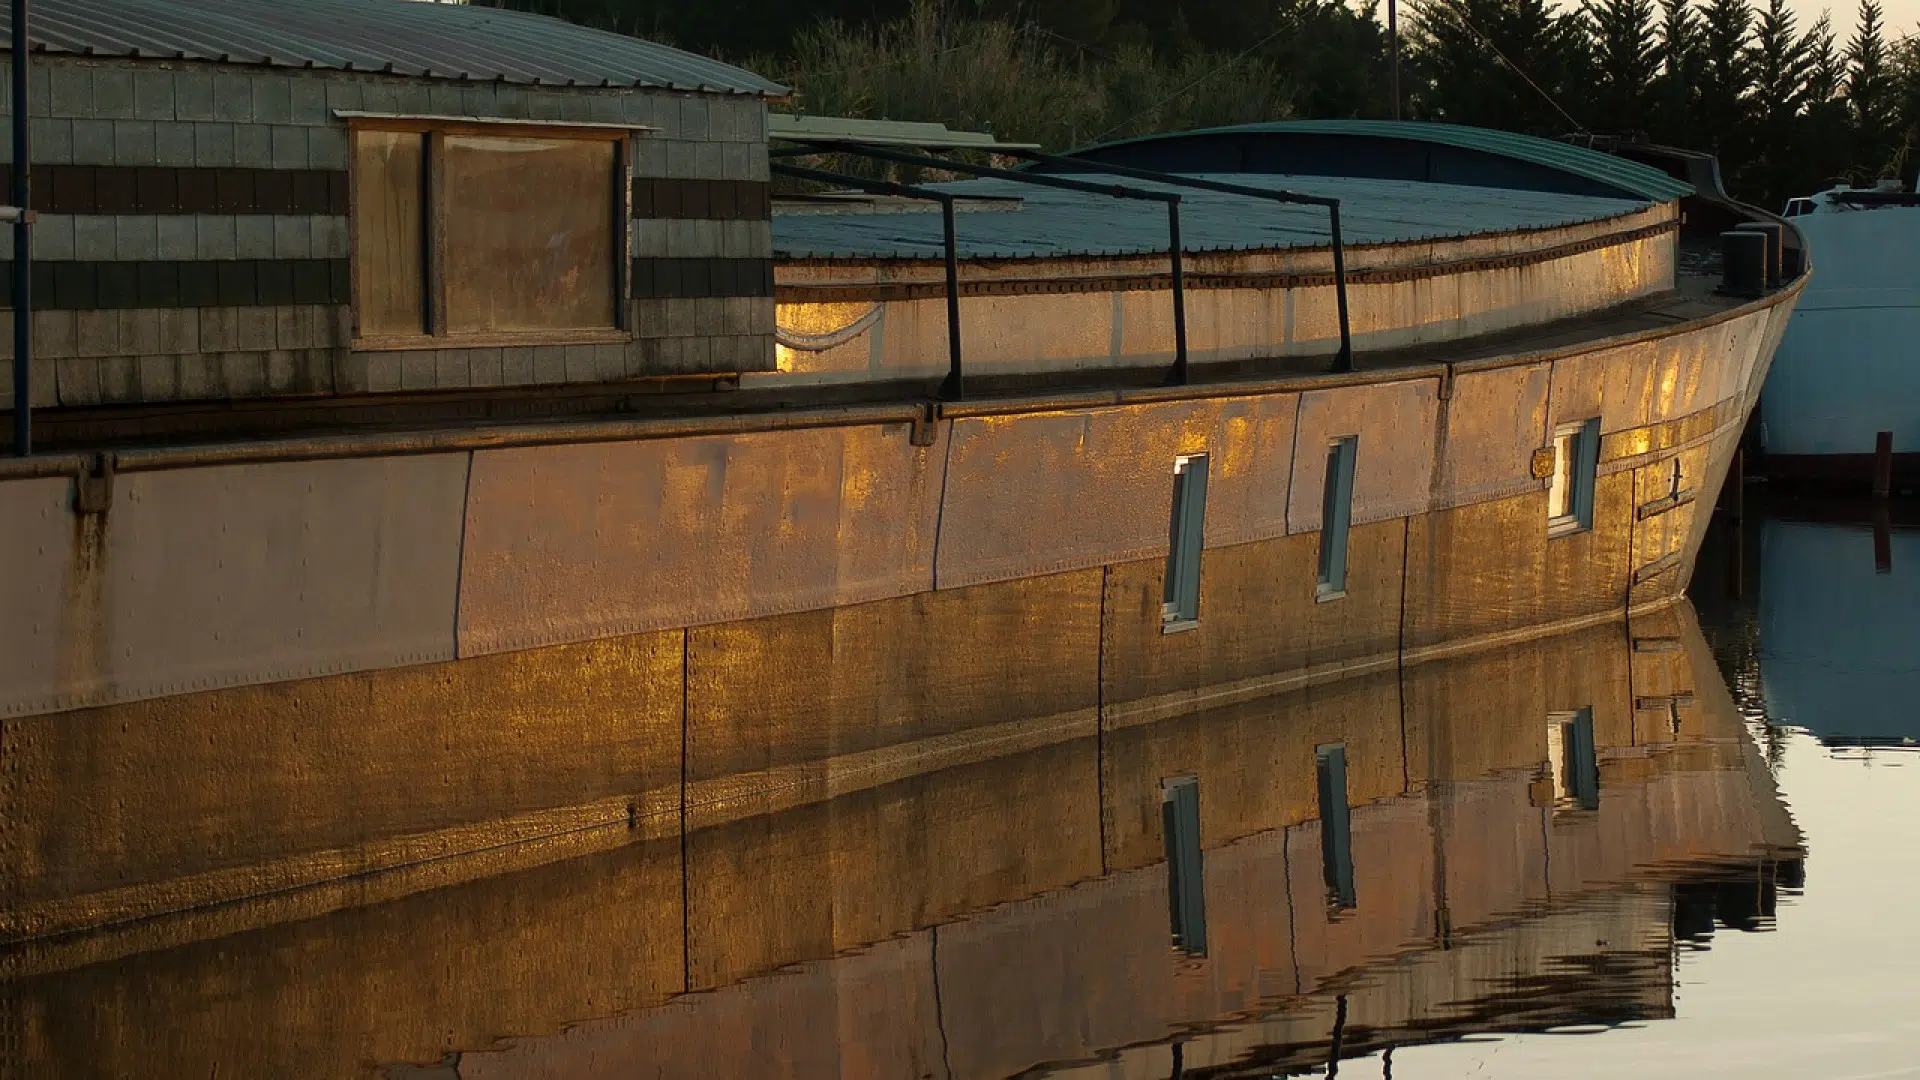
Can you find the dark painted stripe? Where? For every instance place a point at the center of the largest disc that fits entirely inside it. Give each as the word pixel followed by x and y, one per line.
pixel 127 189
pixel 101 286
pixel 666 279
pixel 97 286
pixel 704 200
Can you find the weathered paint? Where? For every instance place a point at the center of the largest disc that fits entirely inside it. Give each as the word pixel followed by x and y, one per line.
pixel 1261 628
pixel 1494 422
pixel 1103 480
pixel 570 543
pixel 137 809
pixel 41 546
pixel 1393 474
pixel 202 578
pixel 1069 314
pixel 795 709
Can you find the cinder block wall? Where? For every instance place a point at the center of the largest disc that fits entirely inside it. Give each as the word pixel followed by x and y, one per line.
pixel 193 237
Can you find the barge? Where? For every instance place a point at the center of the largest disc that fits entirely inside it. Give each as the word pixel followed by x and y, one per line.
pixel 376 541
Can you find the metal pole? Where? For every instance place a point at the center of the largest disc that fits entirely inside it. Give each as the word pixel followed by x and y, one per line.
pixel 22 245
pixel 1393 53
pixel 952 389
pixel 1344 361
pixel 1178 376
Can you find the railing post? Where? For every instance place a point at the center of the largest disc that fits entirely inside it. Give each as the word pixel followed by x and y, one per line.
pixel 22 244
pixel 1344 361
pixel 1178 376
pixel 953 389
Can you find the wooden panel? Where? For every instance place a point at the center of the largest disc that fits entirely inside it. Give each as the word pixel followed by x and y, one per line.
pixel 1053 491
pixel 569 543
pixel 514 264
pixel 1393 475
pixel 1495 420
pixel 389 232
pixel 202 578
pixel 46 551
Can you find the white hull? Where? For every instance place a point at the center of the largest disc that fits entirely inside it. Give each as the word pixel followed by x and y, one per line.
pixel 1849 365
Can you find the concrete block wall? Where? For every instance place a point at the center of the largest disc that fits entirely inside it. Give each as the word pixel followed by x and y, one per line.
pixel 194 234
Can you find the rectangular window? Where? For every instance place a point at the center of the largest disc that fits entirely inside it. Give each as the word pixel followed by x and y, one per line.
pixel 1571 759
pixel 1180 607
pixel 1576 460
pixel 1186 879
pixel 469 235
pixel 1336 515
pixel 1336 825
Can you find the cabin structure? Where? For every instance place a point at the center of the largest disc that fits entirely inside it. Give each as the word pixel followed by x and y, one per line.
pixel 242 201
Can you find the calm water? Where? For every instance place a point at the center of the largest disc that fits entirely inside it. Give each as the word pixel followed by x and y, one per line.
pixel 1729 898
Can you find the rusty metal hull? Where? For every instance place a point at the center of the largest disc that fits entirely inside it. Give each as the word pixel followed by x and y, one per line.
pixel 194 716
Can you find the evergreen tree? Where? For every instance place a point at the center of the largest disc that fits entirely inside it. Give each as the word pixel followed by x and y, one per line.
pixel 1334 57
pixel 1677 87
pixel 1497 63
pixel 1780 67
pixel 1725 78
pixel 1626 63
pixel 1870 91
pixel 1823 144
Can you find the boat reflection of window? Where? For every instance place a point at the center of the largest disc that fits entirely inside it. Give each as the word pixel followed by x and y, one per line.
pixel 1180 607
pixel 1572 764
pixel 1186 876
pixel 1336 826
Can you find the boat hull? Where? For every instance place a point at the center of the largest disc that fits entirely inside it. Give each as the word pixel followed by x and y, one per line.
pixel 1849 365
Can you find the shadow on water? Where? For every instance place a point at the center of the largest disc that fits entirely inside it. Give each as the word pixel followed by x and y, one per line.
pixel 1523 839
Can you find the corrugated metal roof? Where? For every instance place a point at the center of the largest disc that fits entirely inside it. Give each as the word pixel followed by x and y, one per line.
pixel 926 136
pixel 1629 176
pixel 1053 223
pixel 442 41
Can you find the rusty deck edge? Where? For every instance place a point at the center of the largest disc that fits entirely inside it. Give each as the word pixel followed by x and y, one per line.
pixel 451 440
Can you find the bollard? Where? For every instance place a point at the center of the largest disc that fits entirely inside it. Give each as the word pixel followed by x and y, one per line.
pixel 1883 464
pixel 1743 256
pixel 1774 232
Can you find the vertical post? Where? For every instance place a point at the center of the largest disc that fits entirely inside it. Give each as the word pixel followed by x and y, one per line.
pixel 1343 362
pixel 1178 376
pixel 1393 54
pixel 952 389
pixel 22 245
pixel 1882 464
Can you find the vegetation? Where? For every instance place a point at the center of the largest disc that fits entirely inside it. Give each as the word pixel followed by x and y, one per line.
pixel 1787 108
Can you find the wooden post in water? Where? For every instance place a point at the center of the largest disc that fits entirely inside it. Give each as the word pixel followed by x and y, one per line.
pixel 1883 464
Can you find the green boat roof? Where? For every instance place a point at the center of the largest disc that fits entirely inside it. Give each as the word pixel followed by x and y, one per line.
pixel 1629 177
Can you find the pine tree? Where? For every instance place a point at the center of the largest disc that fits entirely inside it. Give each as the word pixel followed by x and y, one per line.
pixel 1626 62
pixel 1870 94
pixel 1677 87
pixel 1780 65
pixel 1512 64
pixel 1823 144
pixel 1726 78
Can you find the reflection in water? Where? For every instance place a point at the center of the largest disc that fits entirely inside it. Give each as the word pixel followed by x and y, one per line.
pixel 1515 840
pixel 1839 630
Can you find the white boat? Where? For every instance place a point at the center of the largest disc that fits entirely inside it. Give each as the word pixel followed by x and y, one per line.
pixel 1849 365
